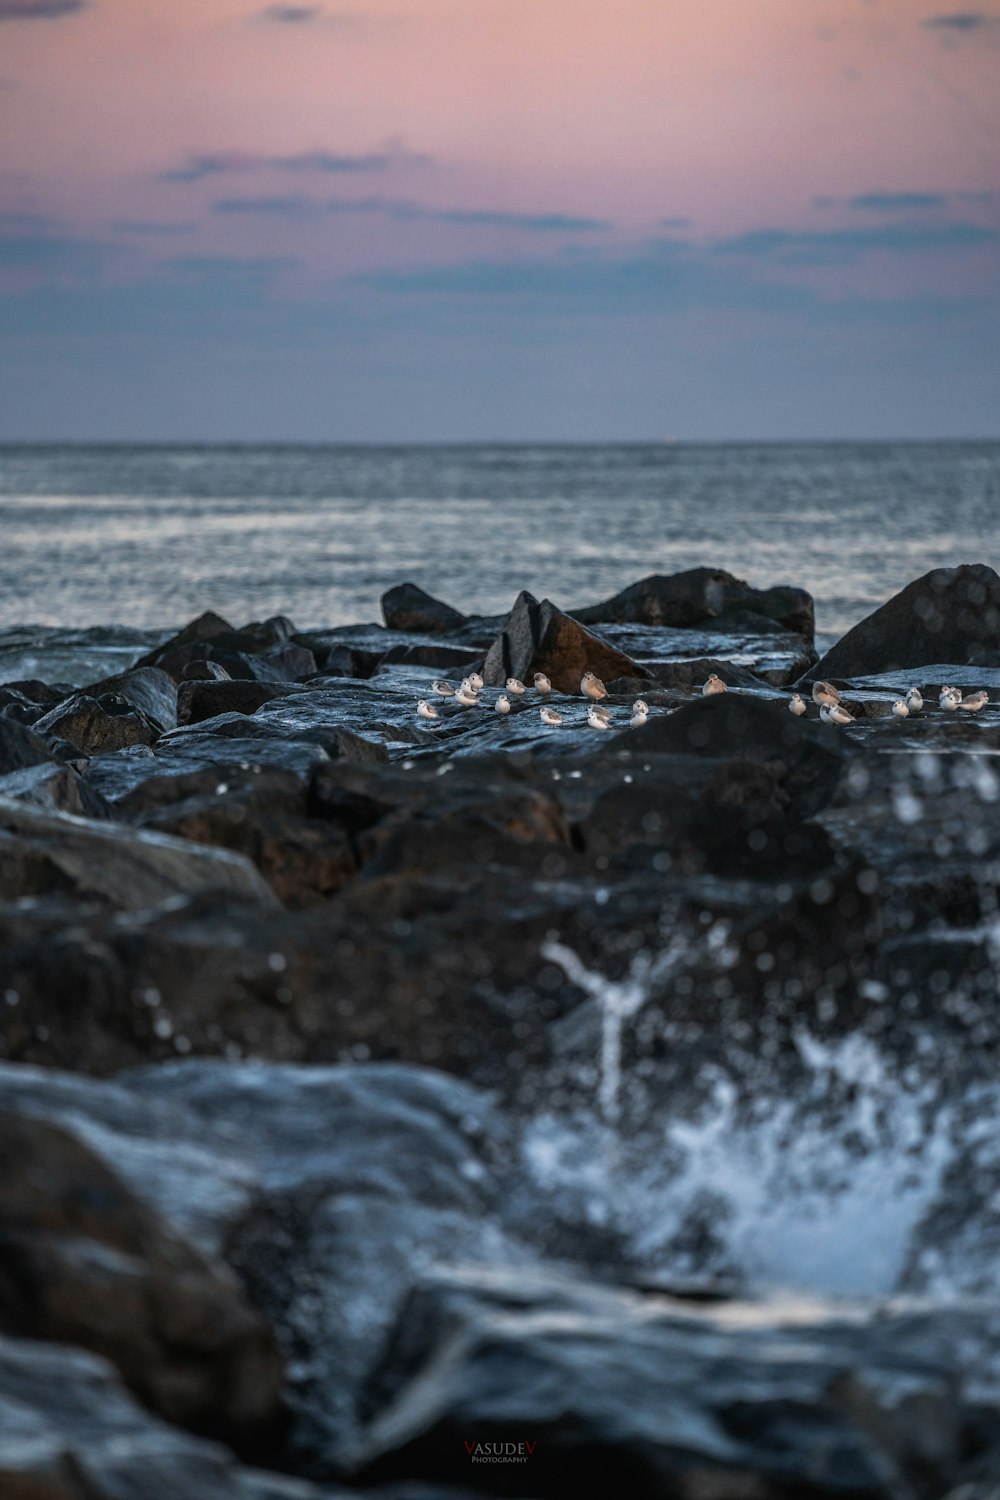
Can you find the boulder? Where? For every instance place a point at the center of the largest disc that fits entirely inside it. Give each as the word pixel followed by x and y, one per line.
pixel 442 656
pixel 56 787
pixel 263 817
pixel 96 725
pixel 407 607
pixel 152 691
pixel 70 1431
pixel 20 747
pixel 691 598
pixel 204 671
pixel 743 727
pixel 325 1187
pixel 599 1390
pixel 263 650
pixel 342 660
pixel 197 701
pixel 206 627
pixel 948 615
pixel 47 851
pixel 541 638
pixel 83 1261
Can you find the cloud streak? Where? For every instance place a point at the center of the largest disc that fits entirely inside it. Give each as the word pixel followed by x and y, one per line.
pixel 402 210
pixel 224 163
pixel 829 247
pixel 959 20
pixel 38 10
pixel 291 15
pixel 894 203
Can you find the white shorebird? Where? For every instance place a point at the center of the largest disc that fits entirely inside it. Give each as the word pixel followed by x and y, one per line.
pixel 714 685
pixel 549 716
pixel 516 686
pixel 835 713
pixel 901 708
pixel 542 683
pixel 596 719
pixel 467 697
pixel 426 710
pixel 444 689
pixel 502 705
pixel 797 705
pixel 640 706
pixel 949 697
pixel 592 687
pixel 914 700
pixel 824 693
pixel 973 702
pixel 474 680
pixel 640 714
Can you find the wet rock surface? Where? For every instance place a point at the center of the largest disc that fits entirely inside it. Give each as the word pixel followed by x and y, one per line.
pixel 949 615
pixel 508 1072
pixel 85 1262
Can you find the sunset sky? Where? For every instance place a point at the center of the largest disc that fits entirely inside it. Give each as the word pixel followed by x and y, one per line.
pixel 498 219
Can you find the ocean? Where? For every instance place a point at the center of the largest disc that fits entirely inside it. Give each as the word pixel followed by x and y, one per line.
pixel 141 538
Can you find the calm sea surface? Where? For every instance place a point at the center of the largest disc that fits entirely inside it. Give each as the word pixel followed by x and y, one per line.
pixel 149 536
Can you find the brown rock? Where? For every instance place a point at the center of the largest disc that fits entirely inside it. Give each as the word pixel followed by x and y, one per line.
pixel 83 1261
pixel 541 638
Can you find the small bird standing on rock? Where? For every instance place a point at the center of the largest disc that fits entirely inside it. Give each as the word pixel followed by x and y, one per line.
pixel 444 689
pixel 824 693
pixel 901 709
pixel 640 714
pixel 502 705
pixel 549 716
pixel 474 680
pixel 949 698
pixel 835 713
pixel 914 700
pixel 592 687
pixel 973 702
pixel 515 686
pixel 797 705
pixel 542 683
pixel 426 710
pixel 714 684
pixel 597 718
pixel 467 697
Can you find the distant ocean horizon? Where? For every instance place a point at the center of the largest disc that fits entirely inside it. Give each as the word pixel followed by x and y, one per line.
pixel 146 535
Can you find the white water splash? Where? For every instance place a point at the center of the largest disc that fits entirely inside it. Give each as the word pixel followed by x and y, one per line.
pixel 618 1002
pixel 821 1180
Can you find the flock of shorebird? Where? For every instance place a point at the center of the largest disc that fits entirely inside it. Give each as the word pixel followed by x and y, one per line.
pixel 466 694
pixel 827 698
pixel 832 709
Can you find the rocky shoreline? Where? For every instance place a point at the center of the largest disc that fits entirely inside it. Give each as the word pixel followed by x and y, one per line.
pixel 375 1088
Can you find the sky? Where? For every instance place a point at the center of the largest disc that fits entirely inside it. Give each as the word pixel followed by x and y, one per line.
pixel 479 220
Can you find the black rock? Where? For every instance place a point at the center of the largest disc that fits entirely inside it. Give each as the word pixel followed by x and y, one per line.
pixel 204 671
pixel 20 747
pixel 408 607
pixel 148 689
pixel 199 700
pixel 602 1391
pixel 701 594
pixel 71 1431
pixel 97 725
pixel 740 726
pixel 57 787
pixel 948 615
pixel 443 656
pixel 47 852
